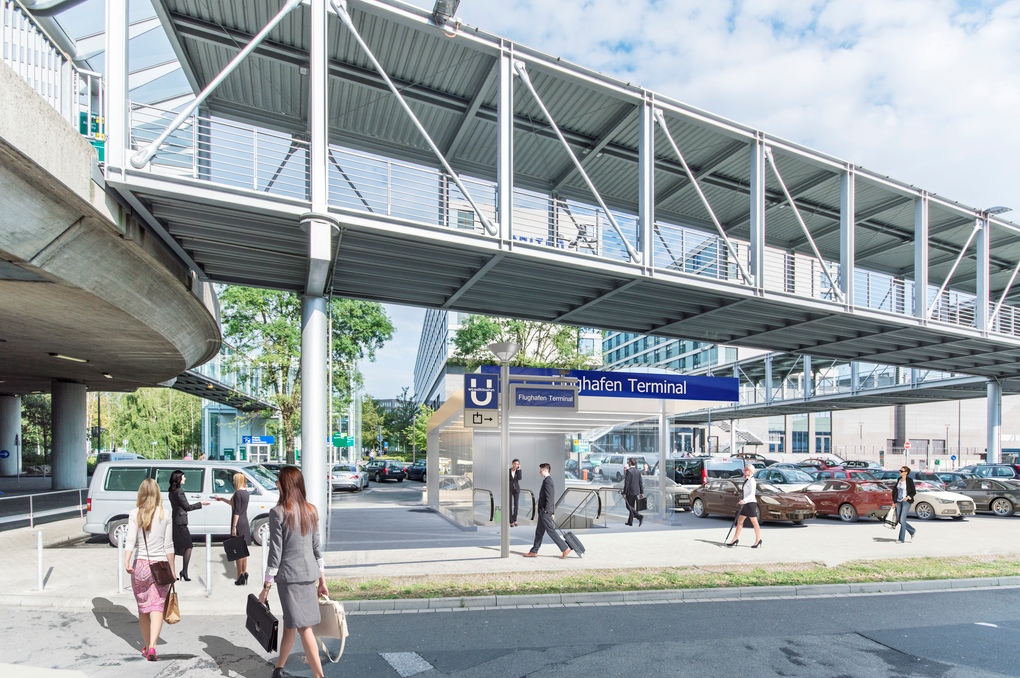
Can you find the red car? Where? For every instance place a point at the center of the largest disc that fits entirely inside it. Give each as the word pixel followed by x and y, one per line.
pixel 849 499
pixel 848 474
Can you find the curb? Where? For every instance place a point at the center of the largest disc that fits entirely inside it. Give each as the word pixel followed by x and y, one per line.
pixel 214 607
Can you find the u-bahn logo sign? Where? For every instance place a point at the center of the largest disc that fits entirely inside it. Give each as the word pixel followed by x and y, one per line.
pixel 481 392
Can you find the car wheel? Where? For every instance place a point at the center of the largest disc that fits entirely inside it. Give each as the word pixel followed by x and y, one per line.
pixel 423 477
pixel 797 522
pixel 618 477
pixel 1002 507
pixel 260 532
pixel 378 478
pixel 117 529
pixel 848 514
pixel 698 508
pixel 400 480
pixel 924 511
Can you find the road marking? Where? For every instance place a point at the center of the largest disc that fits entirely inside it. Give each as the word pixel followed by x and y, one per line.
pixel 994 626
pixel 406 663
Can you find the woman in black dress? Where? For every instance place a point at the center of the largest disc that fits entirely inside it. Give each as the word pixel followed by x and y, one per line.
pixel 239 526
pixel 180 506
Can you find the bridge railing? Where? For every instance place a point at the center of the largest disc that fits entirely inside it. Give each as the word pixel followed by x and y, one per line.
pixel 76 94
pixel 249 158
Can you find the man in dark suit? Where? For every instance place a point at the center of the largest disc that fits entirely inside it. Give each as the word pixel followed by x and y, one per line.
pixel 515 490
pixel 633 487
pixel 546 504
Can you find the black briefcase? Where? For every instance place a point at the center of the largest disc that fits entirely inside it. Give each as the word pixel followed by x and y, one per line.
pixel 236 547
pixel 262 624
pixel 641 504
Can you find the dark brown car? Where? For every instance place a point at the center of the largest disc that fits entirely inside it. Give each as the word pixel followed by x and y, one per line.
pixel 849 499
pixel 721 496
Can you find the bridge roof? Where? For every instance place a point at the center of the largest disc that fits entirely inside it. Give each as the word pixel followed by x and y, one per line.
pixel 245 235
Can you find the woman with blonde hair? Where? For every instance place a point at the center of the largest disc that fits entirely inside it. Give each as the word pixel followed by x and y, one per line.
pixel 150 533
pixel 296 565
pixel 239 526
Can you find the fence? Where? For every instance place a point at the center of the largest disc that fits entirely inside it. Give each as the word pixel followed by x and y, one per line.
pixel 31 507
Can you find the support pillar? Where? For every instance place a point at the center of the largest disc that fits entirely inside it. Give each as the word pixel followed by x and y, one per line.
pixel 847 235
pixel 505 141
pixel 664 449
pixel 757 223
pixel 787 433
pixel 646 180
pixel 982 307
pixel 921 258
pixel 70 471
pixel 10 435
pixel 116 83
pixel 313 403
pixel 811 433
pixel 994 444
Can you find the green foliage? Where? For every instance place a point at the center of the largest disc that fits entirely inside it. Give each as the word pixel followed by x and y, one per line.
pixel 543 344
pixel 398 422
pixel 419 431
pixel 265 325
pixel 371 420
pixel 169 418
pixel 36 424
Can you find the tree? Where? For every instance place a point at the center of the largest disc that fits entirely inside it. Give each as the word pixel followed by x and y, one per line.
pixel 418 431
pixel 36 424
pixel 265 327
pixel 371 420
pixel 542 344
pixel 171 419
pixel 399 420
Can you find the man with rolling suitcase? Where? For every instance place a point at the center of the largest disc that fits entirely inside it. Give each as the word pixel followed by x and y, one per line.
pixel 546 505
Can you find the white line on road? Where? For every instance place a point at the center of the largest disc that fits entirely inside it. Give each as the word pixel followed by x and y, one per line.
pixel 406 663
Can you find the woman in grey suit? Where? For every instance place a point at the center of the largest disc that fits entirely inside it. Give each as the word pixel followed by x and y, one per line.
pixel 296 565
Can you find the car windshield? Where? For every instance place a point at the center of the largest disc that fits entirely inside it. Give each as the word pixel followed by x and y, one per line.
pixel 863 475
pixel 264 477
pixel 766 488
pixel 796 476
pixel 924 485
pixel 873 487
pixel 343 468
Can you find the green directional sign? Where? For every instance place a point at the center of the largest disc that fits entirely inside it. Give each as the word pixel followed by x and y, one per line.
pixel 342 440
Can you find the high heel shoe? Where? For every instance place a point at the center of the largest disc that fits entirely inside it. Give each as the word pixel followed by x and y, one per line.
pixel 184 576
pixel 732 543
pixel 242 580
pixel 152 654
pixel 757 544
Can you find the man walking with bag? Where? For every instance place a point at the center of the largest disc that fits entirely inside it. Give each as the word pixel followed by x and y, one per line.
pixel 633 487
pixel 546 505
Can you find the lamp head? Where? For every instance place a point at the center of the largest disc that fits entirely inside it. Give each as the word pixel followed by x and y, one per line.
pixel 997 209
pixel 504 350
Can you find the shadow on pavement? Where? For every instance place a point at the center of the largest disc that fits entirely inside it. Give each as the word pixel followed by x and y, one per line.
pixel 234 660
pixel 119 620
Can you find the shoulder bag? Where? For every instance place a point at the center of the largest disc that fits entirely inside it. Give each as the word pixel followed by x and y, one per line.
pixel 890 518
pixel 333 625
pixel 162 572
pixel 171 610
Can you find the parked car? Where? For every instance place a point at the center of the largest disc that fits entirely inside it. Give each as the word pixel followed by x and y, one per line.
pixel 348 476
pixel 787 479
pixel 273 467
pixel 928 477
pixel 819 465
pixel 721 496
pixel 844 474
pixel 849 499
pixel 952 476
pixel 114 490
pixel 754 456
pixel 381 470
pixel 417 471
pixel 931 502
pixel 861 463
pixel 1001 497
pixel 615 465
pixel 997 471
pixel 455 483
pixel 886 475
pixel 571 466
pixel 699 470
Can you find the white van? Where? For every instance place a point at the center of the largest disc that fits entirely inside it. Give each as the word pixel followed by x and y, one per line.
pixel 114 491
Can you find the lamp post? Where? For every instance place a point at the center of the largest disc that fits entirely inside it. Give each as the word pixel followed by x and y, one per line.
pixel 153 450
pixel 504 352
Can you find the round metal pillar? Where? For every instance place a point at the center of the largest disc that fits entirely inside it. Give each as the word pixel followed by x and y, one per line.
pixel 313 404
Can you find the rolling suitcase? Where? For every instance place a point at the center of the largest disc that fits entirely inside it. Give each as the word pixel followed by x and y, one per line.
pixel 573 542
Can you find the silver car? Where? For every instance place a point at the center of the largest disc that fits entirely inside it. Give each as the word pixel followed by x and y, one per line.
pixel 348 477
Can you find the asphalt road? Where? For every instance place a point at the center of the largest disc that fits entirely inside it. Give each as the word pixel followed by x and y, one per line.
pixel 963 634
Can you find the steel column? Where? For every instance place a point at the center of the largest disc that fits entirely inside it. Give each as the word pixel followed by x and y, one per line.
pixel 994 444
pixel 664 448
pixel 855 376
pixel 921 257
pixel 505 141
pixel 809 379
pixel 757 214
pixel 313 403
pixel 318 124
pixel 983 273
pixel 847 235
pixel 118 136
pixel 646 181
pixel 768 379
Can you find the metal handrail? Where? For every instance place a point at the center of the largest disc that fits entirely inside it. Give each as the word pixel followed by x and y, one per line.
pixel 45 512
pixel 530 515
pixel 492 502
pixel 584 503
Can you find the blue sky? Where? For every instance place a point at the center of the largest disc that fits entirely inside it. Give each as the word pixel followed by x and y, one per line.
pixel 925 91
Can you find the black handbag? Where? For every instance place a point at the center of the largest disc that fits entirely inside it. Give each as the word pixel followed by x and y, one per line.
pixel 236 548
pixel 262 624
pixel 641 503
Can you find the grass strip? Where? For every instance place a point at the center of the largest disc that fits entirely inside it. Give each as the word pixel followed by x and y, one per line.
pixel 651 579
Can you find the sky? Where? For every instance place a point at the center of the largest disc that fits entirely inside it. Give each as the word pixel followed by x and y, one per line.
pixel 925 91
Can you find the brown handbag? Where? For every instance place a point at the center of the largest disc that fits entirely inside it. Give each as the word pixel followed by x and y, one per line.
pixel 162 573
pixel 171 610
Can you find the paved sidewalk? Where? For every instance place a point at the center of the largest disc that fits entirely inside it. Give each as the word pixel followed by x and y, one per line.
pixel 82 573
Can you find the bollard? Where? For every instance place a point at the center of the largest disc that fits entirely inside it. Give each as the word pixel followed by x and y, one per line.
pixel 208 564
pixel 39 550
pixel 120 563
pixel 31 514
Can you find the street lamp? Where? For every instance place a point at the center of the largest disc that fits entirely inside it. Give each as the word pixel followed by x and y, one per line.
pixel 153 450
pixel 504 352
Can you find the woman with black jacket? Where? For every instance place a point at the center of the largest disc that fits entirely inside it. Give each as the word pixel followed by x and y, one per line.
pixel 180 506
pixel 903 496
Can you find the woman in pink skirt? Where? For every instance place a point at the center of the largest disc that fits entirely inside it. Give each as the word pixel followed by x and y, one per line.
pixel 150 533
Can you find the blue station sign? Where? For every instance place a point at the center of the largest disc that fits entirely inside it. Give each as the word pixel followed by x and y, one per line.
pixel 481 391
pixel 560 397
pixel 636 384
pixel 258 440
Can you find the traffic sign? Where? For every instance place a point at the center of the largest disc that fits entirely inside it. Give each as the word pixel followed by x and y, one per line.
pixel 938 461
pixel 481 392
pixel 481 419
pixel 953 457
pixel 4 454
pixel 340 440
pixel 258 440
pixel 906 445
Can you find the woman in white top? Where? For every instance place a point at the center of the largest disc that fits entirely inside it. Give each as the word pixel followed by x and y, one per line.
pixel 748 508
pixel 150 533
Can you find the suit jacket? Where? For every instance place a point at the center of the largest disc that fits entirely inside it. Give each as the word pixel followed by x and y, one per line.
pixel 546 496
pixel 911 490
pixel 515 481
pixel 180 506
pixel 633 484
pixel 293 557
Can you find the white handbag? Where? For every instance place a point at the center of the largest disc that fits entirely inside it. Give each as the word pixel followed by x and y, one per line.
pixel 332 625
pixel 890 519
